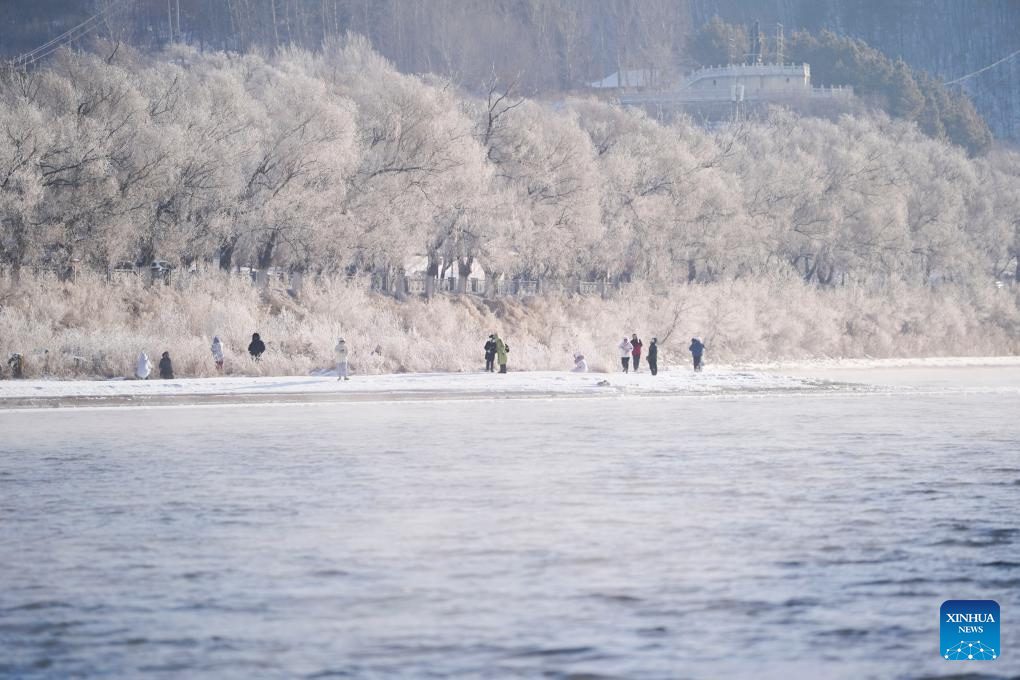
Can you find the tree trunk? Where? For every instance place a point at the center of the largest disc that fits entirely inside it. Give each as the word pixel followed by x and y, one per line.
pixel 227 254
pixel 401 284
pixel 265 256
pixel 147 253
pixel 431 274
pixel 491 284
pixel 463 273
pixel 692 271
pixel 809 269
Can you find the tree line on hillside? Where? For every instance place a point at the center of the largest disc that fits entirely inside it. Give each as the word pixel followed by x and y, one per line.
pixel 335 162
pixel 547 45
pixel 899 90
pixel 947 39
pixel 553 44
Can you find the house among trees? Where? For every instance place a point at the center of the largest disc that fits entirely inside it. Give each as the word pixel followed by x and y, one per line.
pixel 712 91
pixel 742 82
pixel 753 73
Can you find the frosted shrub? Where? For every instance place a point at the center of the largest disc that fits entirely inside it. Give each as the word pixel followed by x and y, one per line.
pixel 96 328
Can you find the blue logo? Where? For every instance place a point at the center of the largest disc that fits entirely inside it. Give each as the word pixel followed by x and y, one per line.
pixel 969 630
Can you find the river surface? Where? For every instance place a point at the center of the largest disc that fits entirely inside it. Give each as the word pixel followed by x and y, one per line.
pixel 757 536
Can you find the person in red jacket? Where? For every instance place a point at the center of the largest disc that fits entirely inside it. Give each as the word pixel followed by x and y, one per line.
pixel 636 352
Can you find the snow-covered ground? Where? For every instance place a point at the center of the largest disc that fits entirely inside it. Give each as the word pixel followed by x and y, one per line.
pixel 395 387
pixel 812 376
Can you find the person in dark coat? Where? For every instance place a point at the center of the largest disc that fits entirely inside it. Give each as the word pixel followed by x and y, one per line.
pixel 166 367
pixel 635 352
pixel 697 349
pixel 256 347
pixel 653 356
pixel 490 353
pixel 17 364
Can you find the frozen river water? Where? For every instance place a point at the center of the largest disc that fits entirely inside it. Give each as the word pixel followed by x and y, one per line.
pixel 760 535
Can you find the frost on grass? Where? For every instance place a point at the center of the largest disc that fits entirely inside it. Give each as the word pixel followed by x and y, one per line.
pixel 96 328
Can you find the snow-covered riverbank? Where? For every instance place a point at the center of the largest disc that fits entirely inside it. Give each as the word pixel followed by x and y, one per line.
pixel 832 376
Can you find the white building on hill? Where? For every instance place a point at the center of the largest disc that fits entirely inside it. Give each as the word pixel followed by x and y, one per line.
pixel 741 82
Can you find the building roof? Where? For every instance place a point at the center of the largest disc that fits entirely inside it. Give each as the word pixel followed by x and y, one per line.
pixel 636 77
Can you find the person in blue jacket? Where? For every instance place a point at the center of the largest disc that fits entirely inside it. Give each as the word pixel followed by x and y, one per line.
pixel 697 349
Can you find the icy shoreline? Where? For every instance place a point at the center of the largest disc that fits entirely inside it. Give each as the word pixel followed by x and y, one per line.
pixel 870 363
pixel 780 378
pixel 394 387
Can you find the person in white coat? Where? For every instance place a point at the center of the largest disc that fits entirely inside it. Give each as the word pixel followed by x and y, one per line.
pixel 625 351
pixel 580 365
pixel 341 360
pixel 217 353
pixel 143 367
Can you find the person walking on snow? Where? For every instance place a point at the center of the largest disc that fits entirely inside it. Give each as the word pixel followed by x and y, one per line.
pixel 256 347
pixel 217 353
pixel 697 349
pixel 653 356
pixel 143 367
pixel 501 351
pixel 580 365
pixel 636 351
pixel 166 367
pixel 341 360
pixel 490 353
pixel 625 351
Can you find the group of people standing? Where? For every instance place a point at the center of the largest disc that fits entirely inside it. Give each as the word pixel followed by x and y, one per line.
pixel 143 367
pixel 496 351
pixel 631 350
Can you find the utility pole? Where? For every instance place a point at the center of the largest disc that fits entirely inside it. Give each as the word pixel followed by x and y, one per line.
pixel 170 20
pixel 178 18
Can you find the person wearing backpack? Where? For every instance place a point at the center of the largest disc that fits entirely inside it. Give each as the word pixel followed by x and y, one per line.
pixel 697 349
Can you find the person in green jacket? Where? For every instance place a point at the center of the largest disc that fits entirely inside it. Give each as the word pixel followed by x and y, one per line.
pixel 501 351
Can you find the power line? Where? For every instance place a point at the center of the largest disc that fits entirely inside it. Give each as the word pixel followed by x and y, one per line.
pixel 67 37
pixel 982 70
pixel 92 22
